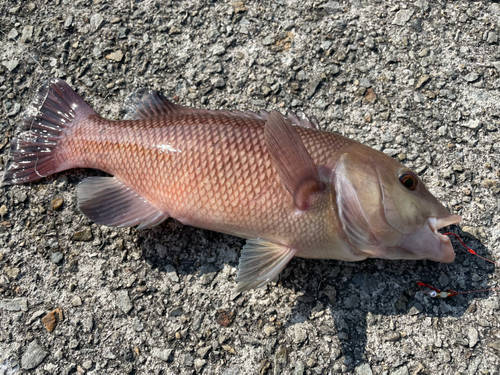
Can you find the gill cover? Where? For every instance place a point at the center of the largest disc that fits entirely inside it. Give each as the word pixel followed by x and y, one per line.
pixel 374 213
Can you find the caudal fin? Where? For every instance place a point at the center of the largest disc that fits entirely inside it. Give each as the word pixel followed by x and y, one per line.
pixel 36 152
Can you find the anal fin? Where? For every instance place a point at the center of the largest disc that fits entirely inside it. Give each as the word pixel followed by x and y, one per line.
pixel 107 201
pixel 261 262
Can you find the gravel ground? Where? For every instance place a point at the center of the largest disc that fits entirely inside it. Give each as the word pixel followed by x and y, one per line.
pixel 416 79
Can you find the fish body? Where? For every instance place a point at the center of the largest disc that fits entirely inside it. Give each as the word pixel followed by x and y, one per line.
pixel 290 189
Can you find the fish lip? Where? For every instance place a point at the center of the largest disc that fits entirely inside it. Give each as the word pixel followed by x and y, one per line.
pixel 437 223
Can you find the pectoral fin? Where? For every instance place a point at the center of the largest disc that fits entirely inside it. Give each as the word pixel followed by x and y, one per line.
pixel 107 201
pixel 295 166
pixel 261 262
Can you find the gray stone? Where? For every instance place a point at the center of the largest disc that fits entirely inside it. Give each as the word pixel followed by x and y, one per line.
pixel 365 82
pixel 35 316
pixel 57 257
pixel 392 336
pixel 12 34
pixel 108 353
pixel 14 110
pixel 87 365
pixel 15 304
pixel 268 40
pixel 11 64
pixel 299 334
pixel 96 20
pixel 203 351
pixel 299 368
pixel 492 37
pixel 199 363
pixel 313 85
pixel 391 151
pixel 472 124
pixel 208 274
pixel 218 50
pixel 402 370
pixel 97 52
pixel 76 301
pixel 496 65
pixel 218 82
pixel 163 354
pixel 331 293
pixel 471 77
pixel 171 273
pixel 332 7
pixel 27 34
pixel 198 319
pixel 138 325
pixel 402 17
pixel 176 312
pixel 123 301
pixel 363 369
pixel 123 33
pixel 33 356
pixel 69 22
pixel 473 336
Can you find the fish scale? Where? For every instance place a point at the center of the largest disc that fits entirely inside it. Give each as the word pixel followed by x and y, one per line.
pixel 290 190
pixel 221 176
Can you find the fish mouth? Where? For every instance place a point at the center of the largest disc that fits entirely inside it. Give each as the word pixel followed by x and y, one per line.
pixel 446 254
pixel 436 224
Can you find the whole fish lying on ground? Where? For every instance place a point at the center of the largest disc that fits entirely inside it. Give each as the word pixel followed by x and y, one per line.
pixel 290 189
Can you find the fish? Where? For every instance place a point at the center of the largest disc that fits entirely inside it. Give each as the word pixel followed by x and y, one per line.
pixel 287 187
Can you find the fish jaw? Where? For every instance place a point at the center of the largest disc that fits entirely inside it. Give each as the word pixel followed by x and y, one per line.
pixel 427 243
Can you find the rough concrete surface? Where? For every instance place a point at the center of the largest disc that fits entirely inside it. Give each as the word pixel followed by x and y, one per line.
pixel 416 79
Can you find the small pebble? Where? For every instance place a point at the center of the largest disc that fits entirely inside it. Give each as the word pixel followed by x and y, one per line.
pixel 57 203
pixel 33 356
pixel 51 319
pixel 471 77
pixel 199 363
pixel 57 257
pixel 76 301
pixel 225 317
pixel 83 235
pixel 163 354
pixel 115 56
pixel 123 301
pixel 392 336
pixel 370 96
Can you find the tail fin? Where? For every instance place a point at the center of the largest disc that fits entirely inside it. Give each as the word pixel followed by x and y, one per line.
pixel 34 152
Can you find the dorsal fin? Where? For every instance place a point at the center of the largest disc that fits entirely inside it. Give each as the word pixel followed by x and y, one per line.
pixel 146 103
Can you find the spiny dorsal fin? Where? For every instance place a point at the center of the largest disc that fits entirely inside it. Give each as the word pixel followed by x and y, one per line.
pixel 146 103
pixel 107 201
pixel 261 262
pixel 295 166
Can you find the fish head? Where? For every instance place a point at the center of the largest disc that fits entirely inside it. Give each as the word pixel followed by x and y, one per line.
pixel 387 212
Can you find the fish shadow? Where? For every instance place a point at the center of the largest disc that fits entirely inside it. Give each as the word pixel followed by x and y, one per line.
pixel 355 294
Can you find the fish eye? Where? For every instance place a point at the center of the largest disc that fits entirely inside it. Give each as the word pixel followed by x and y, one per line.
pixel 409 180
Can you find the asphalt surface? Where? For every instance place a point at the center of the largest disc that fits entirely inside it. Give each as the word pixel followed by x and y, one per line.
pixel 417 80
